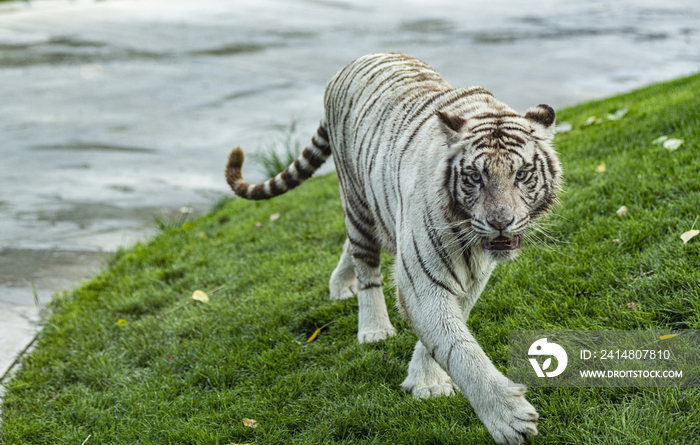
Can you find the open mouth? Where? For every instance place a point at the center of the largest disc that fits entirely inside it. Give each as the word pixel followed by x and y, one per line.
pixel 502 243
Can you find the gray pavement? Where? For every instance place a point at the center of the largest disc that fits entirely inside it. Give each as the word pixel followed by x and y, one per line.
pixel 113 111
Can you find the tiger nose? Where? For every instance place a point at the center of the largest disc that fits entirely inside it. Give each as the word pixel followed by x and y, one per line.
pixel 500 225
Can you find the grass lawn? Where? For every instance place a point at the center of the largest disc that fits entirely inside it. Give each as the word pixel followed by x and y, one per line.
pixel 115 362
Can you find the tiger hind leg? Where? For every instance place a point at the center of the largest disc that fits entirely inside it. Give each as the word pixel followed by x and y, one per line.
pixel 343 279
pixel 425 377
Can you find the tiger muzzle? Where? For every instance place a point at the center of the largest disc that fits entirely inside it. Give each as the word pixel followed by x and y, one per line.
pixel 502 243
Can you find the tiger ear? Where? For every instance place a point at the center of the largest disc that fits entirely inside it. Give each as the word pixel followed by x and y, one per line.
pixel 543 116
pixel 451 124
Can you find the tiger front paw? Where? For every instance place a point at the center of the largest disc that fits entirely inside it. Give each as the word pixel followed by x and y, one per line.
pixel 373 336
pixel 512 420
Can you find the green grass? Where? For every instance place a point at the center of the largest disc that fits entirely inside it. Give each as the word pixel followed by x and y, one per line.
pixel 193 375
pixel 279 153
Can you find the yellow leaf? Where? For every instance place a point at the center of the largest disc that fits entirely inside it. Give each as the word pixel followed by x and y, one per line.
pixel 187 226
pixel 666 337
pixel 600 168
pixel 250 423
pixel 122 322
pixel 688 235
pixel 593 120
pixel 314 335
pixel 622 211
pixel 202 235
pixel 200 296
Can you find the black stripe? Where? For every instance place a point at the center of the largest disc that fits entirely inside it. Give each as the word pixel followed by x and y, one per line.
pixel 289 181
pixel 275 189
pixel 362 230
pixel 313 158
pixel 425 268
pixel 370 260
pixel 258 192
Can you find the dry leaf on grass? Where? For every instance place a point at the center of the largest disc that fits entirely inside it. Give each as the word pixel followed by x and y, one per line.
pixel 618 114
pixel 622 211
pixel 274 216
pixel 672 144
pixel 316 332
pixel 200 296
pixel 600 168
pixel 258 225
pixel 631 305
pixel 314 335
pixel 593 120
pixel 666 337
pixel 690 233
pixel 660 140
pixel 563 127
pixel 250 423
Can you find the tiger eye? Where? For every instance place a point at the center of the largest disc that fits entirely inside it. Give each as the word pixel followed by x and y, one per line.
pixel 520 175
pixel 476 177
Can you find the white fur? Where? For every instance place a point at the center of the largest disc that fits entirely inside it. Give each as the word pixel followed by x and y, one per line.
pixel 404 183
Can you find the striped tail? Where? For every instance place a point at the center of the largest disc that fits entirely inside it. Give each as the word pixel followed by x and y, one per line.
pixel 299 171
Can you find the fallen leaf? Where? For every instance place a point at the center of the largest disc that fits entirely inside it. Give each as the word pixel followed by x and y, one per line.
pixel 600 168
pixel 618 114
pixel 250 423
pixel 391 362
pixel 617 240
pixel 622 211
pixel 202 235
pixel 688 235
pixel 185 209
pixel 122 322
pixel 660 140
pixel 274 216
pixel 187 226
pixel 563 127
pixel 314 335
pixel 258 225
pixel 672 144
pixel 631 305
pixel 593 120
pixel 666 337
pixel 200 296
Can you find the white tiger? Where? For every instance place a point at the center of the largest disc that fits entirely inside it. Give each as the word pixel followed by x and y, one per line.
pixel 448 180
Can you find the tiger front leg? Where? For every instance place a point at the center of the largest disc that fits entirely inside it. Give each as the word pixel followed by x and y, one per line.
pixel 425 377
pixel 373 324
pixel 435 316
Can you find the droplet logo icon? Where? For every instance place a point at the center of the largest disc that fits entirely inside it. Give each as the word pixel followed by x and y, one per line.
pixel 542 347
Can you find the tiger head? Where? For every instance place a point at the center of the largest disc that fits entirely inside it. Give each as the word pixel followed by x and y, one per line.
pixel 501 175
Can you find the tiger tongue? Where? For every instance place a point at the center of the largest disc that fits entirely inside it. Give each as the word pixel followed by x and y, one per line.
pixel 502 243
